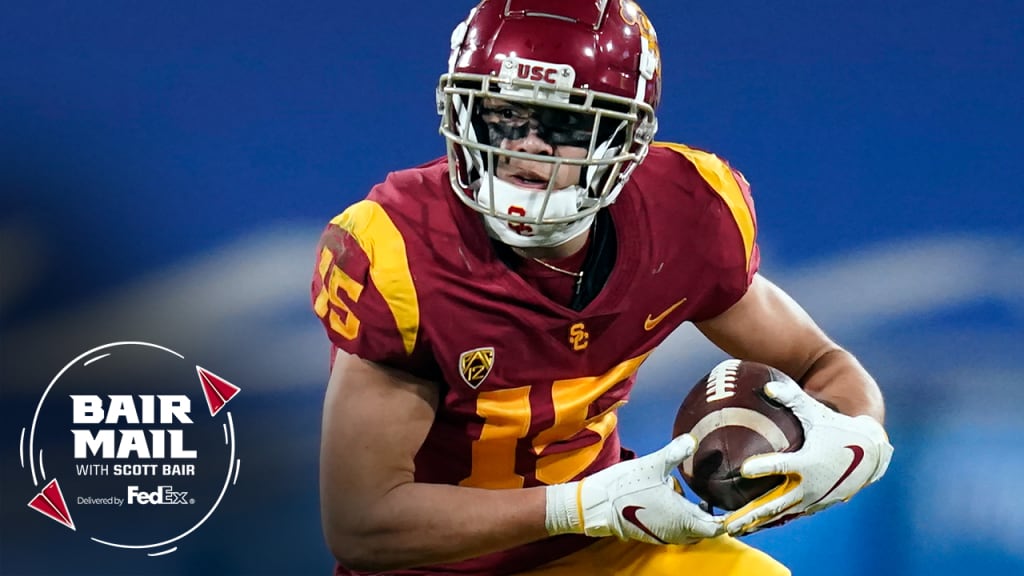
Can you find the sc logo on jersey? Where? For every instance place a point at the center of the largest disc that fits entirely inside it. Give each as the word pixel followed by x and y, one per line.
pixel 132 446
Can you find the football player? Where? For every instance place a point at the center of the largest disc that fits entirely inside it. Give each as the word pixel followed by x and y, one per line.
pixel 488 312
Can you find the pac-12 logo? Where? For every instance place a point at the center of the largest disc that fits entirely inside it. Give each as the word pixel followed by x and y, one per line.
pixel 132 446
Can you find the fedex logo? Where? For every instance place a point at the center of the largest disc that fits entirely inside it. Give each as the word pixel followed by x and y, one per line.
pixel 162 495
pixel 527 72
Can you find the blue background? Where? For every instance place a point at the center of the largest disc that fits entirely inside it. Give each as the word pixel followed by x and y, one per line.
pixel 166 167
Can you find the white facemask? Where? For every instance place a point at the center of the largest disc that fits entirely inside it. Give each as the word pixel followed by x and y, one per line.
pixel 563 202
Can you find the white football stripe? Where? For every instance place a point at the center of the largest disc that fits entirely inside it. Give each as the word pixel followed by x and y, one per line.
pixel 734 416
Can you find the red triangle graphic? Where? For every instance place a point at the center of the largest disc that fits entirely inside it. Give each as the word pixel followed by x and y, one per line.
pixel 217 390
pixel 212 399
pixel 51 503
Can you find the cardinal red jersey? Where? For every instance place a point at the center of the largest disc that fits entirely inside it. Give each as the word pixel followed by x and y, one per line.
pixel 409 278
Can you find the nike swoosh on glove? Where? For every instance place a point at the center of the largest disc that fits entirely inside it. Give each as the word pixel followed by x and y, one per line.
pixel 635 500
pixel 840 455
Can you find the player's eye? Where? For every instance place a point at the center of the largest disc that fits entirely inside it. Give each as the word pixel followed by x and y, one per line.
pixel 504 114
pixel 562 119
pixel 510 114
pixel 565 128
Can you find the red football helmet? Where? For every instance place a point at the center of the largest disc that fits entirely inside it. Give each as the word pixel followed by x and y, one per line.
pixel 591 64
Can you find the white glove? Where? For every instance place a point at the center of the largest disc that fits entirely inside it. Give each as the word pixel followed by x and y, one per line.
pixel 635 499
pixel 840 455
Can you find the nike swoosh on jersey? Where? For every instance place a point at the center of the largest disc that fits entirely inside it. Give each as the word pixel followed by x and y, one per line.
pixel 650 323
pixel 858 455
pixel 629 513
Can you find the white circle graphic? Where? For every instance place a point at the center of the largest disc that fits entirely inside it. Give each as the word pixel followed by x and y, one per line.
pixel 217 392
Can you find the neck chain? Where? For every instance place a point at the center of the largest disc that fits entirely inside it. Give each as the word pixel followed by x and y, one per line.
pixel 577 275
pixel 550 266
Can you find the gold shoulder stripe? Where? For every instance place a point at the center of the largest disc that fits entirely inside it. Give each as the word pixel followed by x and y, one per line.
pixel 721 179
pixel 384 246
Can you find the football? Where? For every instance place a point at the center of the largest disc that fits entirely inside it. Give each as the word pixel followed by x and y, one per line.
pixel 732 419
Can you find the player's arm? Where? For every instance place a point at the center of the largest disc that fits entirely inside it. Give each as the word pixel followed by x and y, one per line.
pixel 765 324
pixel 843 451
pixel 768 326
pixel 375 517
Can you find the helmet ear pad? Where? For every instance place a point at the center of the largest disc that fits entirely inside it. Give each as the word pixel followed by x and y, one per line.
pixel 611 136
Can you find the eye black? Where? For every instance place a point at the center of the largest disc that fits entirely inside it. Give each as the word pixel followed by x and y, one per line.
pixel 555 126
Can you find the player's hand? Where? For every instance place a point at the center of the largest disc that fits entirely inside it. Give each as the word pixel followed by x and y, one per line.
pixel 840 455
pixel 635 499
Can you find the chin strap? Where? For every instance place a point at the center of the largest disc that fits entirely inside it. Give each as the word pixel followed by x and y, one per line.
pixel 528 204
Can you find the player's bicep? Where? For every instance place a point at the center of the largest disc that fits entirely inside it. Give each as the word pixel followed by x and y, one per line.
pixel 374 421
pixel 766 325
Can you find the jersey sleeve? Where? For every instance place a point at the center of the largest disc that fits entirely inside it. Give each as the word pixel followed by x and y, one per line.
pixel 728 227
pixel 363 290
